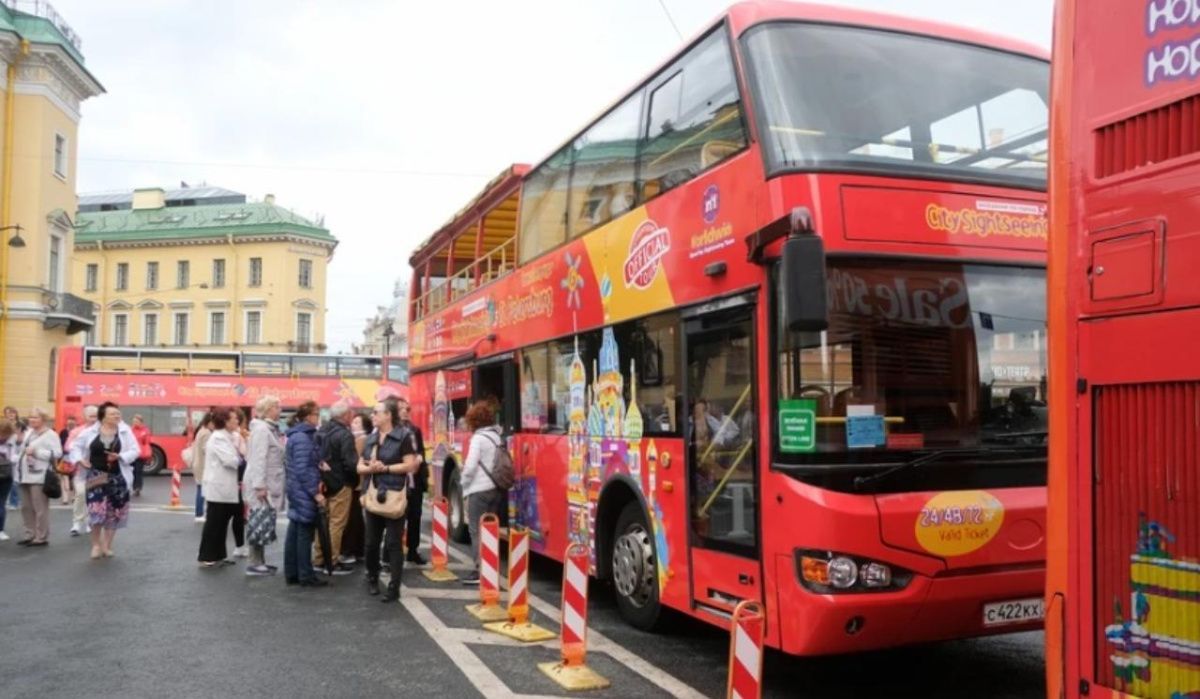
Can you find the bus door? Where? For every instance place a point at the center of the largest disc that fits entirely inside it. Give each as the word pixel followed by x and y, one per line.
pixel 496 378
pixel 720 444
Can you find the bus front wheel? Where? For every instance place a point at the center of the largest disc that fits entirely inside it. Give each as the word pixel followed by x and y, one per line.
pixel 635 569
pixel 157 462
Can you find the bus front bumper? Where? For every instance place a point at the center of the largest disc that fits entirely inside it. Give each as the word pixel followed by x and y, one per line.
pixel 927 609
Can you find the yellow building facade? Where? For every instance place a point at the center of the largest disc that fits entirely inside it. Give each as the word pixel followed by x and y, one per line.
pixel 201 268
pixel 43 81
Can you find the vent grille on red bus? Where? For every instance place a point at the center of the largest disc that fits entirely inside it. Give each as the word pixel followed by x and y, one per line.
pixel 1155 136
pixel 1147 535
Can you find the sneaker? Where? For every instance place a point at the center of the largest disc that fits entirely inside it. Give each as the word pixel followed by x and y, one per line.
pixel 74 531
pixel 471 579
pixel 342 569
pixel 314 583
pixel 259 570
pixel 273 568
pixel 241 552
pixel 348 560
pixel 199 520
pixel 414 557
pixel 4 537
pixel 228 562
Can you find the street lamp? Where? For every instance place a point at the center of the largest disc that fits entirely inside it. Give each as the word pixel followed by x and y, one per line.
pixel 16 241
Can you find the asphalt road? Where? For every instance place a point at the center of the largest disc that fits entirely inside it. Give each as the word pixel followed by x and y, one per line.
pixel 149 622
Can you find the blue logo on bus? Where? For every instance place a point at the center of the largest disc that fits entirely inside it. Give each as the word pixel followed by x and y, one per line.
pixel 710 203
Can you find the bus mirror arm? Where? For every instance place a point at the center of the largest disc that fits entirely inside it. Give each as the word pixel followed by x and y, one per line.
pixel 797 222
pixel 802 276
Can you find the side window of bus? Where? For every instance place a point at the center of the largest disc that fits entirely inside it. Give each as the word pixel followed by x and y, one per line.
pixel 603 170
pixel 536 409
pixel 544 206
pixel 695 118
pixel 649 365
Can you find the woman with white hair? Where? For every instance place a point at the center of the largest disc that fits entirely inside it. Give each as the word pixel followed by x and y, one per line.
pixel 40 450
pixel 263 482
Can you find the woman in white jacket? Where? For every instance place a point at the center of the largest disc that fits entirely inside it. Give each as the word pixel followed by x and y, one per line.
pixel 481 492
pixel 108 448
pixel 221 461
pixel 40 450
pixel 263 482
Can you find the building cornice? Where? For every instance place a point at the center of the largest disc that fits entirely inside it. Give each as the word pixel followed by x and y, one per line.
pixel 207 239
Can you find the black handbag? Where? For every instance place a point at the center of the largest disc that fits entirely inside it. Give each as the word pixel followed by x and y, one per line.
pixel 51 486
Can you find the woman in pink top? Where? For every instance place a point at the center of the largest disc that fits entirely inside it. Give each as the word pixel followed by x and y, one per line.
pixel 142 434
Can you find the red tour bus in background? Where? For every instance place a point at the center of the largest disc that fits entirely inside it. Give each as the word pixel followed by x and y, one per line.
pixel 773 328
pixel 172 389
pixel 1124 541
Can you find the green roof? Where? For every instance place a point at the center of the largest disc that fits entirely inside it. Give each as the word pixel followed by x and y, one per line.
pixel 39 29
pixel 183 222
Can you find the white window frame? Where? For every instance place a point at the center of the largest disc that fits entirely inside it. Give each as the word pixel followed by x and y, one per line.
pixel 146 340
pixel 61 159
pixel 54 278
pixel 91 277
pixel 246 339
pixel 296 334
pixel 153 264
pixel 300 277
pixel 116 340
pixel 224 327
pixel 175 327
pixel 121 281
pixel 256 282
pixel 181 281
pixel 219 283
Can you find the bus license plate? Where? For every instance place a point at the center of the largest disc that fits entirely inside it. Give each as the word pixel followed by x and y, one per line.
pixel 1014 611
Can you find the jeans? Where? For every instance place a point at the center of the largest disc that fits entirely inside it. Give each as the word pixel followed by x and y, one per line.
pixel 199 500
pixel 297 552
pixel 6 486
pixel 339 513
pixel 479 504
pixel 14 498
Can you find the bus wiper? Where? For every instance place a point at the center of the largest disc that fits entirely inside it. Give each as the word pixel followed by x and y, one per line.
pixel 932 456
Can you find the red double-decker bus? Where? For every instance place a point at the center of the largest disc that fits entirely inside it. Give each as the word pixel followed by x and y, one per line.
pixel 1124 548
pixel 172 389
pixel 772 327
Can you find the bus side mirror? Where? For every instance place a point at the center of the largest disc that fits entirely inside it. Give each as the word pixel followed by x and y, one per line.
pixel 802 277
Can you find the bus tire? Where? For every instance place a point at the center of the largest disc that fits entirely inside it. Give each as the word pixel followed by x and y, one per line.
pixel 157 462
pixel 634 569
pixel 459 533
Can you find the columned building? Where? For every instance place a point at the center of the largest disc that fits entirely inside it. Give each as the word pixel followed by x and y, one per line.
pixel 201 268
pixel 43 81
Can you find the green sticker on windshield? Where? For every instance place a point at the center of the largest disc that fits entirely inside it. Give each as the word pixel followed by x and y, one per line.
pixel 798 426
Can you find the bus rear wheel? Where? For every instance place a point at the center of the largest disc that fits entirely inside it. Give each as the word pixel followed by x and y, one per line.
pixel 635 569
pixel 157 462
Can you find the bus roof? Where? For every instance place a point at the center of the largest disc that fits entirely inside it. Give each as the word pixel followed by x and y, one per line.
pixel 500 187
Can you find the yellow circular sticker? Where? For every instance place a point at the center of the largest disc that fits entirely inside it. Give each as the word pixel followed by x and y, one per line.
pixel 959 522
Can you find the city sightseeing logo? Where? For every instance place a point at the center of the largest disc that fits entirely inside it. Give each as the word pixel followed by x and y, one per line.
pixel 989 218
pixel 646 250
pixel 710 204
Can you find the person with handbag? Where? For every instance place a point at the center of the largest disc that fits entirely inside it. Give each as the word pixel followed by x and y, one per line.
pixel 65 468
pixel 262 485
pixel 484 495
pixel 389 456
pixel 109 448
pixel 78 461
pixel 40 451
pixel 302 460
pixel 8 468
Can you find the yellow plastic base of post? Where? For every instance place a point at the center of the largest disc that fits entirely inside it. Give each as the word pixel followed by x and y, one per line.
pixel 574 677
pixel 526 632
pixel 484 612
pixel 439 575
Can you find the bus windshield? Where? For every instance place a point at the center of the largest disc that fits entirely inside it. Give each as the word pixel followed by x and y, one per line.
pixel 856 99
pixel 918 357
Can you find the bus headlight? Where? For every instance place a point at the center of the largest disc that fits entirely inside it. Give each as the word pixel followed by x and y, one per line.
pixel 831 572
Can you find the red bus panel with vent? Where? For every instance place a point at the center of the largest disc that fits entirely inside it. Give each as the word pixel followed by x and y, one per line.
pixel 1124 542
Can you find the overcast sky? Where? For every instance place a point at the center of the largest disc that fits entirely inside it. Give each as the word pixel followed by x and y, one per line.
pixel 383 116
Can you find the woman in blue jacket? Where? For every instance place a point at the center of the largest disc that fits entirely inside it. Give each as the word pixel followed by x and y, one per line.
pixel 302 468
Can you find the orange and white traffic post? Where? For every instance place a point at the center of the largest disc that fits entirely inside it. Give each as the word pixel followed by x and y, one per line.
pixel 572 671
pixel 746 651
pixel 518 625
pixel 488 608
pixel 176 483
pixel 440 549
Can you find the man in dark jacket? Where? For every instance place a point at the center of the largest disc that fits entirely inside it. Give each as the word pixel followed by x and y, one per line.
pixel 417 493
pixel 338 452
pixel 303 484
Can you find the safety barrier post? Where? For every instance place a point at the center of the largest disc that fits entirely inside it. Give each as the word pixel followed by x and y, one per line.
pixel 176 482
pixel 746 651
pixel 488 608
pixel 518 625
pixel 572 672
pixel 440 550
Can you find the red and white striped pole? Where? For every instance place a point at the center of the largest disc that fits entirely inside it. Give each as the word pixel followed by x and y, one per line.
pixel 176 483
pixel 488 608
pixel 572 672
pixel 518 625
pixel 746 651
pixel 440 549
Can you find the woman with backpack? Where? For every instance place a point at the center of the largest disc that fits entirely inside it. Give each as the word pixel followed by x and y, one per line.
pixel 479 482
pixel 389 456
